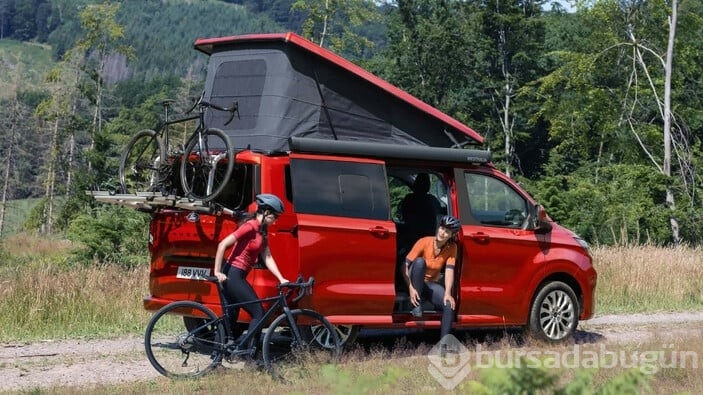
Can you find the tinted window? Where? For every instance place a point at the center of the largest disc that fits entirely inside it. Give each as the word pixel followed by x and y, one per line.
pixel 344 189
pixel 494 202
pixel 238 193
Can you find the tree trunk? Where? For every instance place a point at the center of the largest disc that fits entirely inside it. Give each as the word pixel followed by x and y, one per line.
pixel 667 121
pixel 6 182
pixel 49 192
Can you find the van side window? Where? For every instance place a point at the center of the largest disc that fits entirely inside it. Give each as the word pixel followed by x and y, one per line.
pixel 344 189
pixel 494 202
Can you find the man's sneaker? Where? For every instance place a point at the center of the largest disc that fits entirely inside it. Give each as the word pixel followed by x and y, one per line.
pixel 417 311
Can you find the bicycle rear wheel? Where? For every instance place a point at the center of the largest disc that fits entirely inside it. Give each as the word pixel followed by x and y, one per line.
pixel 140 162
pixel 287 355
pixel 175 352
pixel 206 170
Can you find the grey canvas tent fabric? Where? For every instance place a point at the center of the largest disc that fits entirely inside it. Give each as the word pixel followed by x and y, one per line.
pixel 284 90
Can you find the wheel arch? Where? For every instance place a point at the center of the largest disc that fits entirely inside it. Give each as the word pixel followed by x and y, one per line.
pixel 563 277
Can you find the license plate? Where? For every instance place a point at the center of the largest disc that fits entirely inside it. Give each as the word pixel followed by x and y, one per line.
pixel 192 273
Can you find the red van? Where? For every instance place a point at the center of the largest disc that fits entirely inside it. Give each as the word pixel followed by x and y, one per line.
pixel 342 148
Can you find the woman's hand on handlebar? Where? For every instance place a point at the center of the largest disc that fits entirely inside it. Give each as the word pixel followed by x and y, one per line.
pixel 283 280
pixel 221 277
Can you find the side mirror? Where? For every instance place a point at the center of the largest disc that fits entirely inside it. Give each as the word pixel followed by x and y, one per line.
pixel 538 219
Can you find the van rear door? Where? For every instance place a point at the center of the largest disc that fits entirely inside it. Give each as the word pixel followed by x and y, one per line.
pixel 347 239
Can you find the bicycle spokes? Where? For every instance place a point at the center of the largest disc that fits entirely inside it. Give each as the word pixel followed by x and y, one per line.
pixel 290 348
pixel 176 352
pixel 207 165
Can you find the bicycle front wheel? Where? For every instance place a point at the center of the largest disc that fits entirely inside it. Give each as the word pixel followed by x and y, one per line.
pixel 175 352
pixel 141 161
pixel 287 353
pixel 206 166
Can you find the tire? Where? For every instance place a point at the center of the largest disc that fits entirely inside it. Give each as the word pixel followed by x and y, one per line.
pixel 284 355
pixel 196 168
pixel 318 333
pixel 141 161
pixel 555 312
pixel 178 353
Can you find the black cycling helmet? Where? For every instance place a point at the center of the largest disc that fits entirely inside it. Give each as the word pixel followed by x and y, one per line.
pixel 450 223
pixel 267 201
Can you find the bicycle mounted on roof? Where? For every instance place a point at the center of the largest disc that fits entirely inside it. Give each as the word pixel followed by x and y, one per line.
pixel 205 164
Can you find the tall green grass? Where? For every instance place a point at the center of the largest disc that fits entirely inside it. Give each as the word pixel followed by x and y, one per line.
pixel 43 294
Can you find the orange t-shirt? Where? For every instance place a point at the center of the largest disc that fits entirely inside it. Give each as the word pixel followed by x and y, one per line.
pixel 425 248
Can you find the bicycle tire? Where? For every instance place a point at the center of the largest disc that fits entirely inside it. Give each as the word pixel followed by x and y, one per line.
pixel 196 168
pixel 141 161
pixel 178 353
pixel 284 355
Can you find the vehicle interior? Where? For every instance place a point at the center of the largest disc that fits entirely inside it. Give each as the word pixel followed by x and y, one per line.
pixel 418 200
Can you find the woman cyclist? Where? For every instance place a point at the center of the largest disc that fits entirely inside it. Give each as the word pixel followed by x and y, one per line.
pixel 423 266
pixel 249 240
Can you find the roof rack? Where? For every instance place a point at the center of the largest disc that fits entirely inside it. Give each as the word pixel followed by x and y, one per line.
pixel 152 201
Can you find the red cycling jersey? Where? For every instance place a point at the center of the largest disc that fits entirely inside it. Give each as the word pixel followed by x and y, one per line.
pixel 247 248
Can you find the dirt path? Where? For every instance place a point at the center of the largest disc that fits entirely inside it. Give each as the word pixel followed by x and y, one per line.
pixel 82 362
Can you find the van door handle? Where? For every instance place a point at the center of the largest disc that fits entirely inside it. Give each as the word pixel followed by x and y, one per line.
pixel 293 231
pixel 480 237
pixel 379 231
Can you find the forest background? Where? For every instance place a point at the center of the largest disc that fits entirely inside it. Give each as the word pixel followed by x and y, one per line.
pixel 597 111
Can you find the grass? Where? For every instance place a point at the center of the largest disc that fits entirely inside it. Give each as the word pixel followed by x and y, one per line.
pixel 46 296
pixel 640 279
pixel 16 213
pixel 34 60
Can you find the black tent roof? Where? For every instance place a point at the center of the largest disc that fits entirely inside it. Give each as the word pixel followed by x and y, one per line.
pixel 288 86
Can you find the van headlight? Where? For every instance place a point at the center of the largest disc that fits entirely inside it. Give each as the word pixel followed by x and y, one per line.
pixel 583 243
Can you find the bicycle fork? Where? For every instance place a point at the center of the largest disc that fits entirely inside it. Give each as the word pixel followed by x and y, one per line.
pixel 297 336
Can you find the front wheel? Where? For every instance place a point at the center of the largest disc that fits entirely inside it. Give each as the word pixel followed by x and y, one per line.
pixel 345 333
pixel 175 352
pixel 290 351
pixel 207 165
pixel 141 162
pixel 555 312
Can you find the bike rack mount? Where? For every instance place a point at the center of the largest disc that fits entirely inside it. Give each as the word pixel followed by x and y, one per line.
pixel 153 201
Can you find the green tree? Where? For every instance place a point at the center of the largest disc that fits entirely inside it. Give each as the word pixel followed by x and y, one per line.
pixel 515 31
pixel 102 39
pixel 333 23
pixel 615 53
pixel 436 53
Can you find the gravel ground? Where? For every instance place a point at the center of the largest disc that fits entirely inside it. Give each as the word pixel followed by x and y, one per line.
pixel 25 366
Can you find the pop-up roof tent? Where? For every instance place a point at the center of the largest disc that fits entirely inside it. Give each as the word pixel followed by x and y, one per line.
pixel 285 85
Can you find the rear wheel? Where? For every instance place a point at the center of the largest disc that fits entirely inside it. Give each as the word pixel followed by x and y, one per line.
pixel 206 170
pixel 555 312
pixel 141 162
pixel 175 352
pixel 287 355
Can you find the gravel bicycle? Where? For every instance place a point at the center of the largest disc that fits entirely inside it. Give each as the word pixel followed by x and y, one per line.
pixel 205 164
pixel 296 336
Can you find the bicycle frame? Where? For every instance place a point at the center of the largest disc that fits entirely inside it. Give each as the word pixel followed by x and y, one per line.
pixel 280 304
